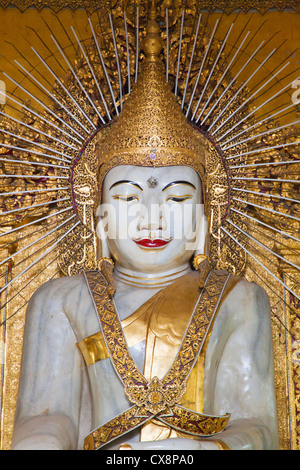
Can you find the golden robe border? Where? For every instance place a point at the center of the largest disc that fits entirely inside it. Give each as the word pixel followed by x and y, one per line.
pixel 159 398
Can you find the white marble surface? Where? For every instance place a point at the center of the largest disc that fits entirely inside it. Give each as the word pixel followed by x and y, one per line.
pixel 238 371
pixel 59 402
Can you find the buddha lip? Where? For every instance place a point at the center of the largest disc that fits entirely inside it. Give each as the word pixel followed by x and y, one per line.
pixel 156 243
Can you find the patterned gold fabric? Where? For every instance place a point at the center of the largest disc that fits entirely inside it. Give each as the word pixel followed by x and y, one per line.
pixel 172 351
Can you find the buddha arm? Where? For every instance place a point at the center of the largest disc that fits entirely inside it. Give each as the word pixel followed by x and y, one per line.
pixel 50 385
pixel 244 383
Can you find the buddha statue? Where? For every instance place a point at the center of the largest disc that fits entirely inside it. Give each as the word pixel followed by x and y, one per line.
pixel 155 349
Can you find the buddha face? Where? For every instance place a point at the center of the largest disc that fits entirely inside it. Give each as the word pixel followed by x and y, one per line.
pixel 151 217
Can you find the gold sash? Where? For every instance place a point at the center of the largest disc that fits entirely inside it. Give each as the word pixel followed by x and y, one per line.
pixel 158 392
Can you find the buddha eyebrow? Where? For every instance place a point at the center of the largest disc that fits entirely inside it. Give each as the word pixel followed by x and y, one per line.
pixel 126 182
pixel 178 182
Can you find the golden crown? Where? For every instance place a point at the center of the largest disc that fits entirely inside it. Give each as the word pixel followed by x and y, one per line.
pixel 151 130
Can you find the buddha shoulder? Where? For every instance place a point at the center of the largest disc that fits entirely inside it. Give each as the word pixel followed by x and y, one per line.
pixel 58 293
pixel 246 301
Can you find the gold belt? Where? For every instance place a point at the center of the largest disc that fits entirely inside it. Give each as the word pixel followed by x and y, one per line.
pixel 158 398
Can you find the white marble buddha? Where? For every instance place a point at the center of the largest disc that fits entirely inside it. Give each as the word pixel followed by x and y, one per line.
pixel 61 398
pixel 212 330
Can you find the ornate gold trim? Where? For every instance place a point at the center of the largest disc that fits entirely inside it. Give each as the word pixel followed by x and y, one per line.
pixel 226 6
pixel 93 348
pixel 159 397
pixel 221 444
pixel 125 447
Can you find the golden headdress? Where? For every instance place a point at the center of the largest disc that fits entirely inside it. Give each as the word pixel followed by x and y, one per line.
pixel 151 130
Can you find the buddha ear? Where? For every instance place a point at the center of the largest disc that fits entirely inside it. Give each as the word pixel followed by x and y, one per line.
pixel 102 244
pixel 202 240
pixel 201 261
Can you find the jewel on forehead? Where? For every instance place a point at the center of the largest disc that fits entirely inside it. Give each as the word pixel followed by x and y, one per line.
pixel 152 182
pixel 152 154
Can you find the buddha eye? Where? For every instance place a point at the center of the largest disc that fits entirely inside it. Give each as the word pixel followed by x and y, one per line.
pixel 178 199
pixel 129 198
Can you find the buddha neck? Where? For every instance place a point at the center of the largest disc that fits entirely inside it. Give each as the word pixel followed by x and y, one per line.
pixel 149 280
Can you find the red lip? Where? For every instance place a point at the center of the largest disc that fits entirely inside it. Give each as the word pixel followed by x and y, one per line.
pixel 157 243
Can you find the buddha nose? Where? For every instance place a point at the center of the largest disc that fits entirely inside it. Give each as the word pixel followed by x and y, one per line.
pixel 152 217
